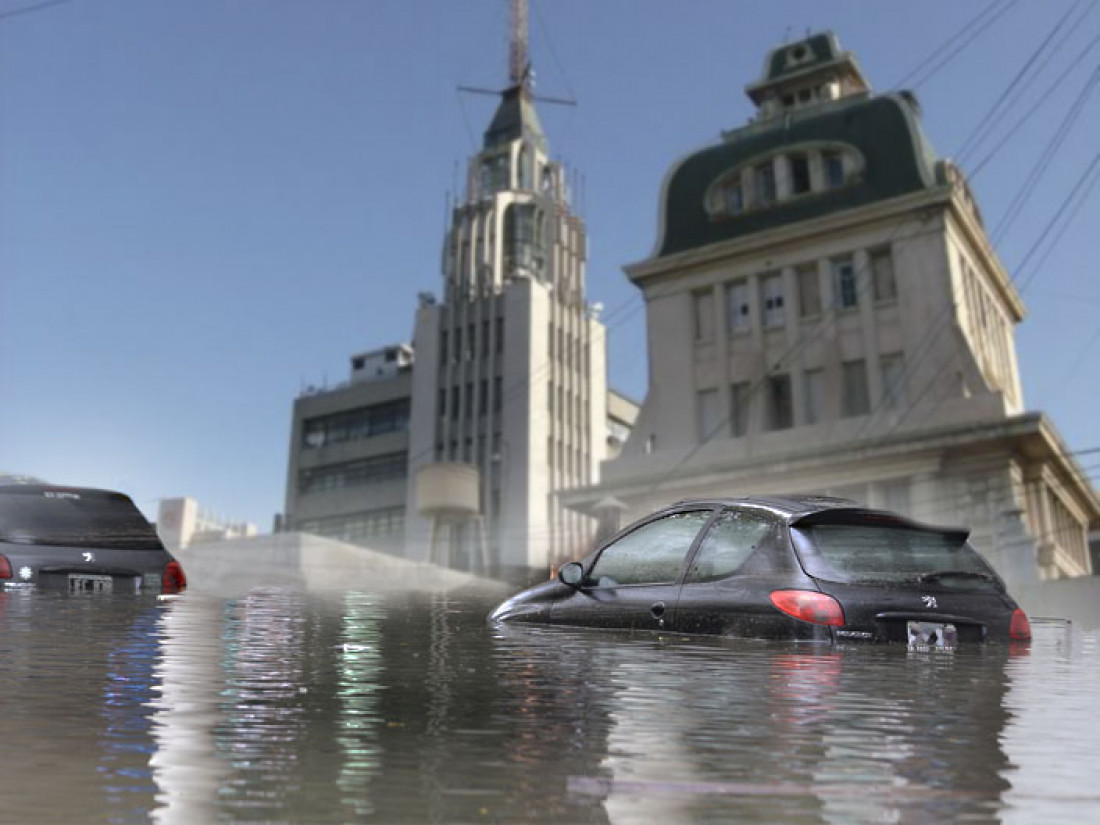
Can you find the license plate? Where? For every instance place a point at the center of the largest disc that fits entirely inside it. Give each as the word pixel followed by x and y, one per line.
pixel 86 583
pixel 932 636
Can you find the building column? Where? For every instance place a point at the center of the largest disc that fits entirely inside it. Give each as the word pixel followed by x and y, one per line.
pixel 798 365
pixel 861 260
pixel 781 164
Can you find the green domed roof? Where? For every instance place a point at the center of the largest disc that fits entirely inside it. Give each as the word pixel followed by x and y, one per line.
pixel 884 130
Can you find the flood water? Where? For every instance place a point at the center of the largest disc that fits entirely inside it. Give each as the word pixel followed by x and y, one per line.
pixel 279 706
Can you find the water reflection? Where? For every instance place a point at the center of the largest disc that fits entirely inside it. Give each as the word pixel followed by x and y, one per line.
pixel 278 706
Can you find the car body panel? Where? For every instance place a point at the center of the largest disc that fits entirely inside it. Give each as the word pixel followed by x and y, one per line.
pixel 739 603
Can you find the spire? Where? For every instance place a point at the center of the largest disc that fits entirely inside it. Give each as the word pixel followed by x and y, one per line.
pixel 515 116
pixel 518 61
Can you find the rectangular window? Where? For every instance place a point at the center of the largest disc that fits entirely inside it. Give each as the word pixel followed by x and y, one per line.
pixel 483 396
pixel 844 278
pixel 703 303
pixel 443 402
pixel 456 401
pixel 739 409
pixel 707 407
pixel 800 174
pixel 834 169
pixel 774 315
pixel 882 274
pixel 814 395
pixel 469 400
pixel 780 408
pixel 443 347
pixel 857 400
pixel 498 389
pixel 500 335
pixel 737 307
pixel 809 291
pixel 458 344
pixel 485 348
pixel 764 176
pixel 893 380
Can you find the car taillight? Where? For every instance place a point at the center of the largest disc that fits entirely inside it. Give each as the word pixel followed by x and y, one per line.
pixel 1020 628
pixel 173 580
pixel 5 567
pixel 809 606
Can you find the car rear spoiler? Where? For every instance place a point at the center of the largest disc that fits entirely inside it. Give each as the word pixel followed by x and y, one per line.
pixel 877 518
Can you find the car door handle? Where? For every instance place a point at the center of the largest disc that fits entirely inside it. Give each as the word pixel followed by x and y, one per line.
pixel 658 610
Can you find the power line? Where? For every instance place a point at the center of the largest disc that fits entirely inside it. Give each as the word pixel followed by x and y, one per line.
pixel 1046 157
pixel 982 21
pixel 6 15
pixel 989 118
pixel 1029 112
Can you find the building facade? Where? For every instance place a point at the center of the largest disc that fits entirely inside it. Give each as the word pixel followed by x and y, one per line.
pixel 511 365
pixel 349 453
pixel 831 317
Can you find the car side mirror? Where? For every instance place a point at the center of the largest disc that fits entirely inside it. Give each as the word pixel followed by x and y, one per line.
pixel 571 574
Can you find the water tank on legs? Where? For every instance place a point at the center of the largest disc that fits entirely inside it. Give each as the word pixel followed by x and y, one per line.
pixel 448 494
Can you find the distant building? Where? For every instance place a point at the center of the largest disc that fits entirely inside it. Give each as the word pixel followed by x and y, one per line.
pixel 825 313
pixel 181 523
pixel 349 453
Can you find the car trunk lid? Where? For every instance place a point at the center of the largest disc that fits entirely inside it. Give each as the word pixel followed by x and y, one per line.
pixel 898 580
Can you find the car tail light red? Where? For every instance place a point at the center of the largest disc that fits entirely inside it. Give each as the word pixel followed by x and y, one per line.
pixel 1020 628
pixel 173 580
pixel 5 567
pixel 809 606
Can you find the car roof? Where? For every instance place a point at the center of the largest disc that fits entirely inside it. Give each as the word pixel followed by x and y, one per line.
pixel 33 489
pixel 798 507
pixel 790 506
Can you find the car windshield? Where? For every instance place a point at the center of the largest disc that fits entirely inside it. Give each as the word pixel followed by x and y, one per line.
pixel 74 518
pixel 892 553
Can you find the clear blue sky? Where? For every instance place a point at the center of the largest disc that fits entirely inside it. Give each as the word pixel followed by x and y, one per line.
pixel 205 204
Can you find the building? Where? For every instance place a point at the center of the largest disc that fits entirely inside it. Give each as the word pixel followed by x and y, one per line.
pixel 511 373
pixel 459 455
pixel 349 453
pixel 181 523
pixel 832 317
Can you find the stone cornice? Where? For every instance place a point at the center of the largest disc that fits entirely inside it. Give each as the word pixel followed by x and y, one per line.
pixel 650 270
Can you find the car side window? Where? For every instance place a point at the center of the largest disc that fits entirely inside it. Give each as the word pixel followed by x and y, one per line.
pixel 652 554
pixel 729 542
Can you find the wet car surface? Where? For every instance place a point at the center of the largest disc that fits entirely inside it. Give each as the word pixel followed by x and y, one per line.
pixel 800 567
pixel 81 541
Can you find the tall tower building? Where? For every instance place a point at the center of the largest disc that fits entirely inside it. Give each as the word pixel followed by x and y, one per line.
pixel 510 376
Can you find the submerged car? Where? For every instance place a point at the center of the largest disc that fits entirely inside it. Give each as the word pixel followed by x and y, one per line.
pixel 81 540
pixel 794 567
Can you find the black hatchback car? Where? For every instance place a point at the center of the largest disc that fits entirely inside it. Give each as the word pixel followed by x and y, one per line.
pixel 81 540
pixel 796 567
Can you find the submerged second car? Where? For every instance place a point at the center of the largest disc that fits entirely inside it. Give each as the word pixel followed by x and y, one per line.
pixel 80 540
pixel 796 567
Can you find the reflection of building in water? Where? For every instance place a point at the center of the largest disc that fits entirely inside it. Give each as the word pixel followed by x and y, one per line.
pixel 186 765
pixel 826 313
pixel 361 679
pixel 509 375
pixel 181 522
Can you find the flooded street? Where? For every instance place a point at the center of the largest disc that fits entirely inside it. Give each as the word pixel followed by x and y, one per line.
pixel 279 706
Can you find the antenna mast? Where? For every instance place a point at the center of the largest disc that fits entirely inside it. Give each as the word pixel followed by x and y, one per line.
pixel 518 61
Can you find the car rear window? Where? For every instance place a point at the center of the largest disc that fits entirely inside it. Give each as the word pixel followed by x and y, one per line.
pixel 890 553
pixel 74 518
